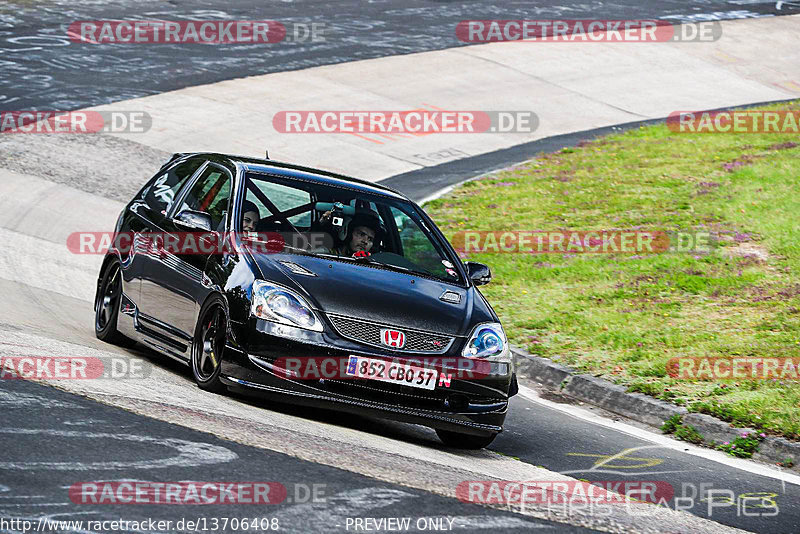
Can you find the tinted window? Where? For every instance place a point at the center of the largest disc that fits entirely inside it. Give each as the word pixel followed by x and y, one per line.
pixel 210 194
pixel 331 216
pixel 161 193
pixel 418 248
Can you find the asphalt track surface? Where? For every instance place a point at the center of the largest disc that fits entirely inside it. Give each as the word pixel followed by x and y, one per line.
pixel 41 69
pixel 66 440
pixel 538 432
pixel 35 73
pixel 587 450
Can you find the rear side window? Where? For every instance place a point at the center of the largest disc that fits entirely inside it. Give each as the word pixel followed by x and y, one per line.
pixel 161 193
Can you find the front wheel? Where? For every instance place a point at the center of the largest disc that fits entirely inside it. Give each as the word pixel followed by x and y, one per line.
pixel 210 336
pixel 107 306
pixel 458 440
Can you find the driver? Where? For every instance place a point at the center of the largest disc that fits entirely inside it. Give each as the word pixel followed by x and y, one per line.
pixel 363 232
pixel 250 216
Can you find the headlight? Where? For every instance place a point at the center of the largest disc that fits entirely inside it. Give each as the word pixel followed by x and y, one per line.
pixel 280 305
pixel 486 341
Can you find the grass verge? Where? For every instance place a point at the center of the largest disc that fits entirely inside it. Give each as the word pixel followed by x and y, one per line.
pixel 622 317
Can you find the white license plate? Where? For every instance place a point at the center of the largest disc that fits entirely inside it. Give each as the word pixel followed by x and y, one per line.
pixel 395 372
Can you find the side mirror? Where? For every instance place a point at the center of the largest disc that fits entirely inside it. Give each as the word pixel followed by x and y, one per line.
pixel 194 220
pixel 479 273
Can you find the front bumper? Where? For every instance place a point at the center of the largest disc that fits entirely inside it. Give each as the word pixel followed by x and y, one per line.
pixel 473 405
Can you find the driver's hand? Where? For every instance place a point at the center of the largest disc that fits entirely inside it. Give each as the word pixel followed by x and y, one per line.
pixel 326 216
pixel 361 254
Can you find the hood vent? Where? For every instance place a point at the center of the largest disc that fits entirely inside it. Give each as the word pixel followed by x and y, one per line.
pixel 297 269
pixel 451 296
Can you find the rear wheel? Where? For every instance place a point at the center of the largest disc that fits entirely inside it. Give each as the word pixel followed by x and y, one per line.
pixel 107 306
pixel 458 440
pixel 210 336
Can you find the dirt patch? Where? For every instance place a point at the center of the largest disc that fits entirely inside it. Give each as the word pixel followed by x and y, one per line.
pixel 642 279
pixel 748 249
pixel 783 146
pixel 790 292
pixel 749 261
pixel 734 165
pixel 703 188
pixel 564 176
pixel 761 294
pixel 741 161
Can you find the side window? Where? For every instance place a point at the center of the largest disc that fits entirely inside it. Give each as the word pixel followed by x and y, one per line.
pixel 284 198
pixel 416 246
pixel 210 194
pixel 161 193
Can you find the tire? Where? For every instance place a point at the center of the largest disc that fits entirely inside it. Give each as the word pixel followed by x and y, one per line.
pixel 107 306
pixel 458 440
pixel 208 347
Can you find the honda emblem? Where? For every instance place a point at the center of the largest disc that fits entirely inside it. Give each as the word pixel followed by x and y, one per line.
pixel 393 338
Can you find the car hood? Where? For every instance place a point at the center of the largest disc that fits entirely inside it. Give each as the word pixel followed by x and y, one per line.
pixel 378 295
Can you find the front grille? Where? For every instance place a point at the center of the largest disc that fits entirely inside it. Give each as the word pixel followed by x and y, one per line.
pixel 370 333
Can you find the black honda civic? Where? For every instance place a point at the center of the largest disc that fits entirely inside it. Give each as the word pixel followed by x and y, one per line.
pixel 308 287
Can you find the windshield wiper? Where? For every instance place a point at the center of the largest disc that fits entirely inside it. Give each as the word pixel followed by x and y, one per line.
pixel 321 254
pixel 370 261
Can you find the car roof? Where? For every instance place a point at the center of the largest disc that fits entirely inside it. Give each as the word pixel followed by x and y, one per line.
pixel 289 170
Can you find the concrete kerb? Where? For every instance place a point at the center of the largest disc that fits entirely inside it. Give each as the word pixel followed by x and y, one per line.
pixel 642 408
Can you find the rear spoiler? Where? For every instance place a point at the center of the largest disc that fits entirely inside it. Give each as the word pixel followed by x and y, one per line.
pixel 175 156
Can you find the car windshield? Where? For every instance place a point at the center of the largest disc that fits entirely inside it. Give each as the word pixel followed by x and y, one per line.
pixel 344 224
